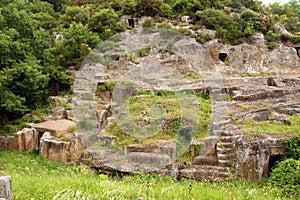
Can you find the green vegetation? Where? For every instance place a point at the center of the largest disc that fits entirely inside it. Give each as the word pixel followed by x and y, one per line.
pixel 276 128
pixel 292 149
pixel 36 178
pixel 106 86
pixel 287 176
pixel 149 108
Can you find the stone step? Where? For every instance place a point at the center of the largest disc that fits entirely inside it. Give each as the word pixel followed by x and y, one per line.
pixel 225 163
pixel 205 160
pixel 226 139
pixel 222 133
pixel 224 156
pixel 212 173
pixel 219 123
pixel 224 150
pixel 219 96
pixel 225 144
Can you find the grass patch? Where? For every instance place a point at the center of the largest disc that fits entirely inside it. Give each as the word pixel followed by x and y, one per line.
pixel 36 178
pixel 276 128
pixel 149 109
pixel 156 116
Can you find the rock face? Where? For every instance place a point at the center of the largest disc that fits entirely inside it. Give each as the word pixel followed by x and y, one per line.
pixel 254 58
pixel 24 140
pixel 62 151
pixel 5 188
pixel 256 156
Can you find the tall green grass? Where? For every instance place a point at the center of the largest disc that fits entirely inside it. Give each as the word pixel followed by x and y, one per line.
pixel 38 179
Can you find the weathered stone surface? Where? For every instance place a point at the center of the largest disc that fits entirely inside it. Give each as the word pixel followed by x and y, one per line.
pixel 28 138
pixel 253 155
pixel 284 60
pixel 89 155
pixel 24 140
pixel 205 160
pixel 5 188
pixel 168 148
pixel 279 118
pixel 212 173
pixel 57 128
pixel 76 148
pixel 153 159
pixel 53 149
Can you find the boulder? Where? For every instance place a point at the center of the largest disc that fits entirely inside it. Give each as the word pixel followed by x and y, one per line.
pixel 55 150
pixel 24 140
pixel 62 151
pixel 5 188
pixel 57 127
pixel 279 118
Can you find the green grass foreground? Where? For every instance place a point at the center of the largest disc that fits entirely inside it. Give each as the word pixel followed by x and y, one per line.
pixel 36 178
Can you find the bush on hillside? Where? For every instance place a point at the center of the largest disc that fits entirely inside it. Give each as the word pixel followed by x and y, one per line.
pixel 213 19
pixel 287 177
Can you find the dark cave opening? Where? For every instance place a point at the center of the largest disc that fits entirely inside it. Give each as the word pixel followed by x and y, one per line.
pixel 273 160
pixel 223 56
pixel 298 51
pixel 131 22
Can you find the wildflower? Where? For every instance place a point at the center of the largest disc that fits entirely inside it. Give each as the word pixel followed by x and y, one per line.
pixel 148 182
pixel 140 198
pixel 190 185
pixel 158 181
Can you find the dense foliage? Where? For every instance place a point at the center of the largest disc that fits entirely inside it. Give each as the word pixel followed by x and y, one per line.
pixel 287 177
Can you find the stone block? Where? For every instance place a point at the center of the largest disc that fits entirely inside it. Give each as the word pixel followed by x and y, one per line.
pixel 5 188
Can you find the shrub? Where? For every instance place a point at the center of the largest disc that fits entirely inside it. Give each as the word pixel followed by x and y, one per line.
pixel 292 149
pixel 142 52
pixel 285 37
pixel 253 19
pixel 296 39
pixel 287 177
pixel 165 10
pixel 271 36
pixel 213 19
pixel 202 38
pixel 248 14
pixel 184 31
pixel 232 35
pixel 271 45
pixel 148 23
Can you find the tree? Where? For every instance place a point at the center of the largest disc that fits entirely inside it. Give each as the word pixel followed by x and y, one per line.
pixel 188 7
pixel 103 19
pixel 57 4
pixel 28 81
pixel 23 87
pixel 213 19
pixel 78 42
pixel 129 7
pixel 149 7
pixel 76 14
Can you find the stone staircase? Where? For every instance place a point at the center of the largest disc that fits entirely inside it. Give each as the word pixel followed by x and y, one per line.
pixel 225 151
pixel 218 163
